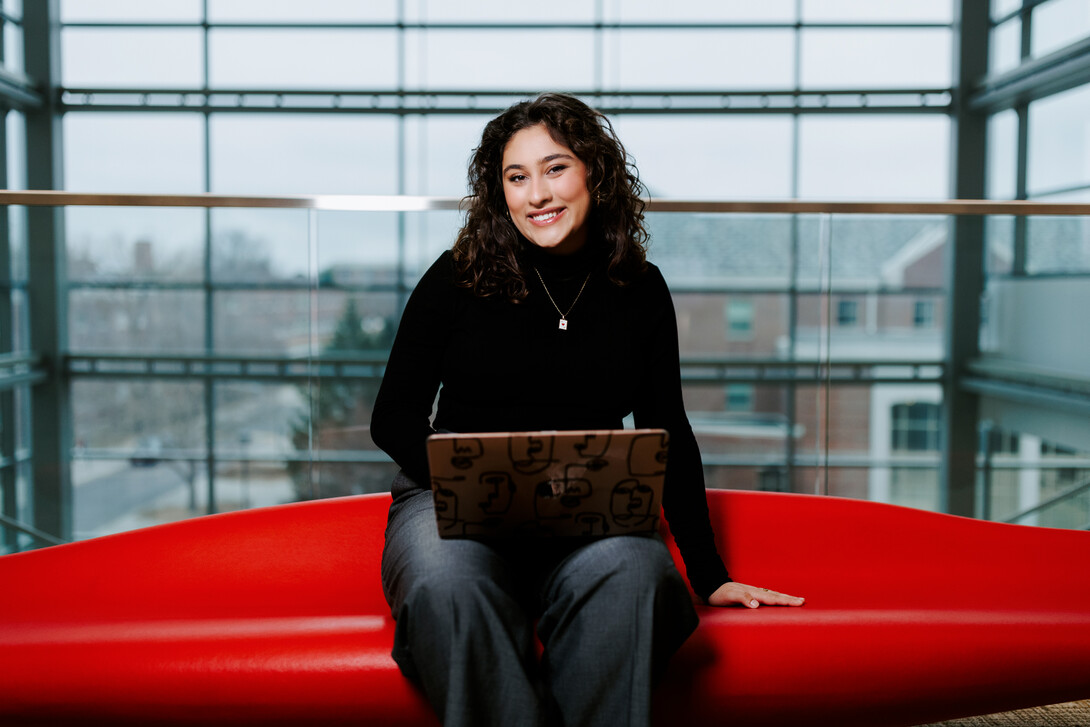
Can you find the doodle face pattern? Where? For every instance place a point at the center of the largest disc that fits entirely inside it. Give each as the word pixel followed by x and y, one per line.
pixel 584 484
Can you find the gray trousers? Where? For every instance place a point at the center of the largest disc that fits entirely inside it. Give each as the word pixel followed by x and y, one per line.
pixel 609 614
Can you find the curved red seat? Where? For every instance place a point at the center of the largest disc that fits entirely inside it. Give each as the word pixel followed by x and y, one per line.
pixel 276 616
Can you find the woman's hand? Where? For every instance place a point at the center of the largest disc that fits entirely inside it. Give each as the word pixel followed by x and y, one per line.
pixel 730 594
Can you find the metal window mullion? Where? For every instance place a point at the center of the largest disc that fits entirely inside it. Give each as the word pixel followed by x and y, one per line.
pixel 8 502
pixel 790 405
pixel 51 414
pixel 964 266
pixel 1018 264
pixel 209 384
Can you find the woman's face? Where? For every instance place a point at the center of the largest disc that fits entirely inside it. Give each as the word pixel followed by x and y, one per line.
pixel 545 186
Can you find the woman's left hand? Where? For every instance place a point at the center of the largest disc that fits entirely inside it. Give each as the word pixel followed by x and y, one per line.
pixel 730 594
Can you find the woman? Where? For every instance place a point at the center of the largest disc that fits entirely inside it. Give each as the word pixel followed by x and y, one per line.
pixel 545 315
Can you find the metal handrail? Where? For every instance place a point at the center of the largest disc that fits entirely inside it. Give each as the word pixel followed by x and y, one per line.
pixel 1067 494
pixel 7 522
pixel 421 203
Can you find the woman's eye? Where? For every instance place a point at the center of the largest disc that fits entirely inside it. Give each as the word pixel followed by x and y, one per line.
pixel 556 169
pixel 515 178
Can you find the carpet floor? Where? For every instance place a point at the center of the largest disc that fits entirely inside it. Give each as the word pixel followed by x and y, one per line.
pixel 1068 714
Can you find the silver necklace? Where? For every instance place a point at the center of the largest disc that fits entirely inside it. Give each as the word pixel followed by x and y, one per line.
pixel 563 315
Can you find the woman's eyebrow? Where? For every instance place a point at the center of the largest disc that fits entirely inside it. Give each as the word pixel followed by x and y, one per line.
pixel 543 160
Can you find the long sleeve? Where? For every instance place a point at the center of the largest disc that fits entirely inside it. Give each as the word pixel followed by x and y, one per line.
pixel 660 404
pixel 401 419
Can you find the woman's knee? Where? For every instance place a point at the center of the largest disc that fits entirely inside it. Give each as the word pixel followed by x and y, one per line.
pixel 626 563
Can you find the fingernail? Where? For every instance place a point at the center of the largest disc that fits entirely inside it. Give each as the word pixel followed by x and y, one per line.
pixel 753 603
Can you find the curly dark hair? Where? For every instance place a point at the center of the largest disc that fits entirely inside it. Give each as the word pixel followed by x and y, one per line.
pixel 486 252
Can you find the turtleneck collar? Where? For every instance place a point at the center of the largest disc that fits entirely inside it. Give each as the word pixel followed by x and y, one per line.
pixel 579 262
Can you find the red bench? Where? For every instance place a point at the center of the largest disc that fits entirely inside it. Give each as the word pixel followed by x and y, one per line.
pixel 276 616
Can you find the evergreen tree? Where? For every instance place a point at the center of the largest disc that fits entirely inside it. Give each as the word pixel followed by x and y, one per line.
pixel 341 411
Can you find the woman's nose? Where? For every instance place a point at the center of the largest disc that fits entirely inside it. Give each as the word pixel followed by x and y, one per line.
pixel 539 192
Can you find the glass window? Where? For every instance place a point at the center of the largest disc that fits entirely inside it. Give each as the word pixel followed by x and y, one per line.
pixel 147 153
pixel 304 154
pixel 357 249
pixel 302 59
pixel 721 11
pixel 1002 170
pixel 15 125
pixel 847 313
pixel 151 427
pixel 1005 49
pixel 136 321
pixel 504 11
pixel 20 321
pixel 999 238
pixel 1058 24
pixel 501 59
pixel 122 57
pixel 13 47
pixel 705 323
pixel 1059 142
pixel 698 251
pixel 739 320
pixel 1057 245
pixel 313 11
pixel 876 58
pixel 916 427
pixel 17 243
pixel 1003 8
pixel 76 11
pixel 261 245
pixel 866 158
pixel 923 314
pixel 889 11
pixel 274 322
pixel 438 152
pixel 699 59
pixel 710 157
pixel 739 397
pixel 135 243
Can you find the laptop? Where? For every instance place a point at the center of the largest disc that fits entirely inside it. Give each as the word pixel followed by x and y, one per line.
pixel 593 483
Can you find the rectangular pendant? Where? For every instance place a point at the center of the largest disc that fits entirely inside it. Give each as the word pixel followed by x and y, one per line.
pixel 563 324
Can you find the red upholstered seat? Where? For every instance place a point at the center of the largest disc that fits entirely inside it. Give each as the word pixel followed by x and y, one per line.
pixel 276 616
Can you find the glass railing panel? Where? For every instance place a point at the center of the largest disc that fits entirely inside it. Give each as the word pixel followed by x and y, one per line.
pixel 1000 232
pixel 1030 480
pixel 17 243
pixel 135 442
pixel 135 320
pixel 427 235
pixel 261 438
pixel 1058 246
pixel 742 431
pixel 135 244
pixel 811 346
pixel 701 251
pixel 262 321
pixel 260 246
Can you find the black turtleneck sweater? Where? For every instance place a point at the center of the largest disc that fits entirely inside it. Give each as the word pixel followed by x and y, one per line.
pixel 507 366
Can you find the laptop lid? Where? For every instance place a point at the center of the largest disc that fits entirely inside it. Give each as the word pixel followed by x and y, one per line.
pixel 589 483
